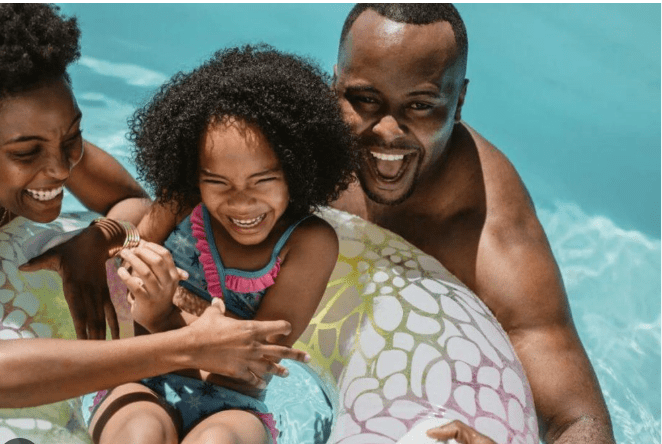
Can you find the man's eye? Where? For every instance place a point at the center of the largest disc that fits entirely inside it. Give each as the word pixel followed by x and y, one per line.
pixel 420 106
pixel 362 99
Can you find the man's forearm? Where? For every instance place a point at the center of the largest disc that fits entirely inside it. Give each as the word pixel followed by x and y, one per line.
pixel 585 430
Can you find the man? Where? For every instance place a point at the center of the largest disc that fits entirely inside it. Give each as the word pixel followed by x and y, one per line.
pixel 431 178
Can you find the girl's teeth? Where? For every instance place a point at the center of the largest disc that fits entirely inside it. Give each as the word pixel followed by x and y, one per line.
pixel 382 156
pixel 45 195
pixel 247 223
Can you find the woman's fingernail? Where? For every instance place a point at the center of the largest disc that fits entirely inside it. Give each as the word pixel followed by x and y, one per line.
pixel 306 358
pixel 286 373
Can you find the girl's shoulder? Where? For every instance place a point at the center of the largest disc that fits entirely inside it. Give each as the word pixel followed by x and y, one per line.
pixel 311 236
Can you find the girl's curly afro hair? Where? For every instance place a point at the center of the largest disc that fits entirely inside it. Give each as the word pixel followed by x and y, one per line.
pixel 287 97
pixel 36 45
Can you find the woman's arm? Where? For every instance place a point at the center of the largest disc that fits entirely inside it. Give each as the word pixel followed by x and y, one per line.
pixel 101 184
pixel 104 186
pixel 40 371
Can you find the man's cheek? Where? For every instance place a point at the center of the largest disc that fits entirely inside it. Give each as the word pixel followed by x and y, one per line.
pixel 350 116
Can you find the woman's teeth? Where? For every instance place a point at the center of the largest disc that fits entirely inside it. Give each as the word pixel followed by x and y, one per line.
pixel 45 195
pixel 382 156
pixel 248 223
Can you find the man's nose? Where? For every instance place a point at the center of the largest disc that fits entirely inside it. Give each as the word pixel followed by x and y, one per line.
pixel 388 129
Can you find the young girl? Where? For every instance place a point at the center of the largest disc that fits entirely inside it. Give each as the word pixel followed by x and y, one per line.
pixel 256 136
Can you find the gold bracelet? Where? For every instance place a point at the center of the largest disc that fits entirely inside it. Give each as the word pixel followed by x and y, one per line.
pixel 130 232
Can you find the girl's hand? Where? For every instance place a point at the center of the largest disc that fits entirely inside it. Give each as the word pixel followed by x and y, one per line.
pixel 460 432
pixel 82 267
pixel 152 283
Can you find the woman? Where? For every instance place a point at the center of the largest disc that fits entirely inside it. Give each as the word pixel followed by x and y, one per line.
pixel 42 151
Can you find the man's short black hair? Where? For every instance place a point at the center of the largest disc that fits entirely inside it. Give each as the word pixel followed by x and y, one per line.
pixel 36 45
pixel 414 14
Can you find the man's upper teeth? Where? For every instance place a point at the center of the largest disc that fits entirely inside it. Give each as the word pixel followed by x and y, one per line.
pixel 382 156
pixel 45 194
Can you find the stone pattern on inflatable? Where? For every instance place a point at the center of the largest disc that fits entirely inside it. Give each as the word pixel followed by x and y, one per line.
pixel 405 341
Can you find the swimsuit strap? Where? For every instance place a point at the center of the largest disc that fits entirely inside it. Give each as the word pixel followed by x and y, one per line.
pixel 284 237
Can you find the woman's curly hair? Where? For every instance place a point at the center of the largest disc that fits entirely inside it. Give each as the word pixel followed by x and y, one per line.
pixel 286 96
pixel 36 45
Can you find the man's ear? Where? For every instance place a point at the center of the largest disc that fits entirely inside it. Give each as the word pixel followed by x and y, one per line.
pixel 460 101
pixel 335 76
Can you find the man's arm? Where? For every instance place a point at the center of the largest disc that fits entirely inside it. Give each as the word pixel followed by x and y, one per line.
pixel 518 278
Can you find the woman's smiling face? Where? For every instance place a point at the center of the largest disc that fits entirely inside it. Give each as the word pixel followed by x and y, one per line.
pixel 242 183
pixel 40 142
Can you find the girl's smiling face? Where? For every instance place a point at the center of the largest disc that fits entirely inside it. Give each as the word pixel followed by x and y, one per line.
pixel 40 142
pixel 242 183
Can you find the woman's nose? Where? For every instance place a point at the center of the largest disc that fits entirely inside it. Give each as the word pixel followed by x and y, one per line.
pixel 388 129
pixel 59 166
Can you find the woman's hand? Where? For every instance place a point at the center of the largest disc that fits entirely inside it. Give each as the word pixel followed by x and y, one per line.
pixel 152 282
pixel 240 349
pixel 82 267
pixel 460 432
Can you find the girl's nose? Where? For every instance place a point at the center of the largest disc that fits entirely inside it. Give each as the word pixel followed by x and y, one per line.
pixel 240 199
pixel 388 129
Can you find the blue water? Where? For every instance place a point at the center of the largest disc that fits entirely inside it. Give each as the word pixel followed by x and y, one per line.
pixel 571 93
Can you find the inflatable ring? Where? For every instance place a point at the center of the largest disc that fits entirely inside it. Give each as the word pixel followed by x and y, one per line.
pixel 404 342
pixel 398 345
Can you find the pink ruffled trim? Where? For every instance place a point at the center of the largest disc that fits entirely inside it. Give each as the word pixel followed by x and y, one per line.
pixel 235 283
pixel 247 285
pixel 208 265
pixel 270 424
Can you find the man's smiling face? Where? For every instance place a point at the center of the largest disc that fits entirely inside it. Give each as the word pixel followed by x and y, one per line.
pixel 401 88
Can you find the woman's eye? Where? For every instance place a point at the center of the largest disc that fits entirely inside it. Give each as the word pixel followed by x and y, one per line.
pixel 74 140
pixel 26 155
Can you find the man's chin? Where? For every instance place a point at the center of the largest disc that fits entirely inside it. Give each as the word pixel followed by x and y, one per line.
pixel 377 194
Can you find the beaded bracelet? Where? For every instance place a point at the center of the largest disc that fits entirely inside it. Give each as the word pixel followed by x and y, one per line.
pixel 131 235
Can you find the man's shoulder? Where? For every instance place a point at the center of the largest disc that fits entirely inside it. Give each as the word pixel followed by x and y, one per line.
pixel 510 216
pixel 505 192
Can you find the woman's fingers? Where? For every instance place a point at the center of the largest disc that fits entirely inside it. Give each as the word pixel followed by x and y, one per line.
pixel 275 352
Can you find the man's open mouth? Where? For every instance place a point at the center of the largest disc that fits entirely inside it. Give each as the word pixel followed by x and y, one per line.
pixel 389 167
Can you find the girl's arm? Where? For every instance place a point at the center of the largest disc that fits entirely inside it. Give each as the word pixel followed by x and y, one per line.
pixel 309 257
pixel 41 371
pixel 160 220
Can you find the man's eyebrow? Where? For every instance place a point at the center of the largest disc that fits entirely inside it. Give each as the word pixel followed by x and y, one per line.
pixel 18 139
pixel 361 88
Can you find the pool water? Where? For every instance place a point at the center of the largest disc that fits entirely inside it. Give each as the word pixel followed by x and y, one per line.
pixel 570 93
